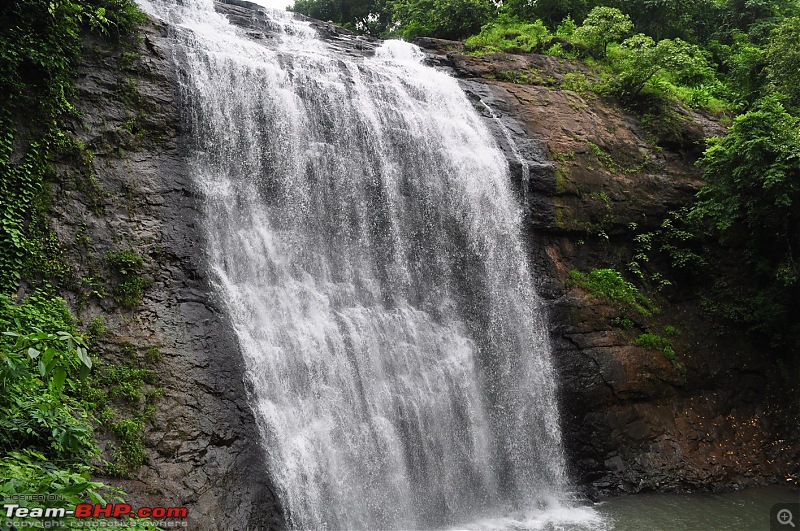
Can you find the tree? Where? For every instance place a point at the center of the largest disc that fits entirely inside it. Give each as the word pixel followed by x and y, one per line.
pixel 756 17
pixel 446 19
pixel 603 25
pixel 366 16
pixel 745 63
pixel 783 61
pixel 668 19
pixel 750 202
pixel 646 58
pixel 551 12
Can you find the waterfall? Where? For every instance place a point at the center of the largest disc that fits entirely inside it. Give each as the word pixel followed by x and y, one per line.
pixel 367 245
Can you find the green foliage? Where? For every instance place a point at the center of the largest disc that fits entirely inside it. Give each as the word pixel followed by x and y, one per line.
pixel 23 243
pixel 609 284
pixel 38 415
pixel 783 62
pixel 30 472
pixel 446 19
pixel 372 17
pixel 644 58
pixel 656 342
pixel 42 360
pixel 96 328
pixel 40 45
pixel 520 77
pixel 755 17
pixel 126 382
pixel 576 81
pixel 675 242
pixel 624 323
pixel 551 12
pixel 509 37
pixel 122 397
pixel 752 174
pixel 566 28
pixel 127 266
pixel 694 20
pixel 749 203
pixel 672 70
pixel 744 63
pixel 39 310
pixel 153 354
pixel 125 262
pixel 129 455
pixel 603 25
pixel 43 364
pixel 53 354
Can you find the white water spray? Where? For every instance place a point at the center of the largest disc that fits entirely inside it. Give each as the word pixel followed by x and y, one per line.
pixel 367 245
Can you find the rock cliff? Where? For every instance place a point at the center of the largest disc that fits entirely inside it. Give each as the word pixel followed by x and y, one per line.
pixel 137 194
pixel 588 170
pixel 585 169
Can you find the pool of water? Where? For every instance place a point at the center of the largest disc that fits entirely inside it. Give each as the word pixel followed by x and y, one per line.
pixel 731 511
pixel 745 510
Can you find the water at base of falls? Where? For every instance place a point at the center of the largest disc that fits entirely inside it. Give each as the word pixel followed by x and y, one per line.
pixel 368 249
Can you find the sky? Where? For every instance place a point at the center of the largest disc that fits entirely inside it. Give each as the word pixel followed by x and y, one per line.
pixel 277 4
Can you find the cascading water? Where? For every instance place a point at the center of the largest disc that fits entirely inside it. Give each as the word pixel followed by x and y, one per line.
pixel 367 246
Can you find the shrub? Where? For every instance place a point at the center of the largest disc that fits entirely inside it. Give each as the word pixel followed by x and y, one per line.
pixel 750 203
pixel 656 342
pixel 509 36
pixel 127 266
pixel 644 58
pixel 622 322
pixel 609 284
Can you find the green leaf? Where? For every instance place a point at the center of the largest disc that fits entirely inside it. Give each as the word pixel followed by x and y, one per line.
pixel 49 354
pixel 87 361
pixel 96 498
pixel 59 377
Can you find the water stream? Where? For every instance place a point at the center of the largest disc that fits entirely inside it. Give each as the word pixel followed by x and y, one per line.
pixel 367 246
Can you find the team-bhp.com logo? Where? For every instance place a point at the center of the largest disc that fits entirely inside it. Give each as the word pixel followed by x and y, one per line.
pixel 17 516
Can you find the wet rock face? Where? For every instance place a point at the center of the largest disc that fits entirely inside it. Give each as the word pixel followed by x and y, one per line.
pixel 203 449
pixel 260 28
pixel 632 419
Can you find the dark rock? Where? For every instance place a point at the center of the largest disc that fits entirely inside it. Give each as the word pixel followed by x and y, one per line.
pixel 632 420
pixel 203 445
pixel 585 171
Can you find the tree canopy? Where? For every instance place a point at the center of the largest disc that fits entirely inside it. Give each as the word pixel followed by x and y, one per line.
pixel 603 25
pixel 751 201
pixel 446 19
